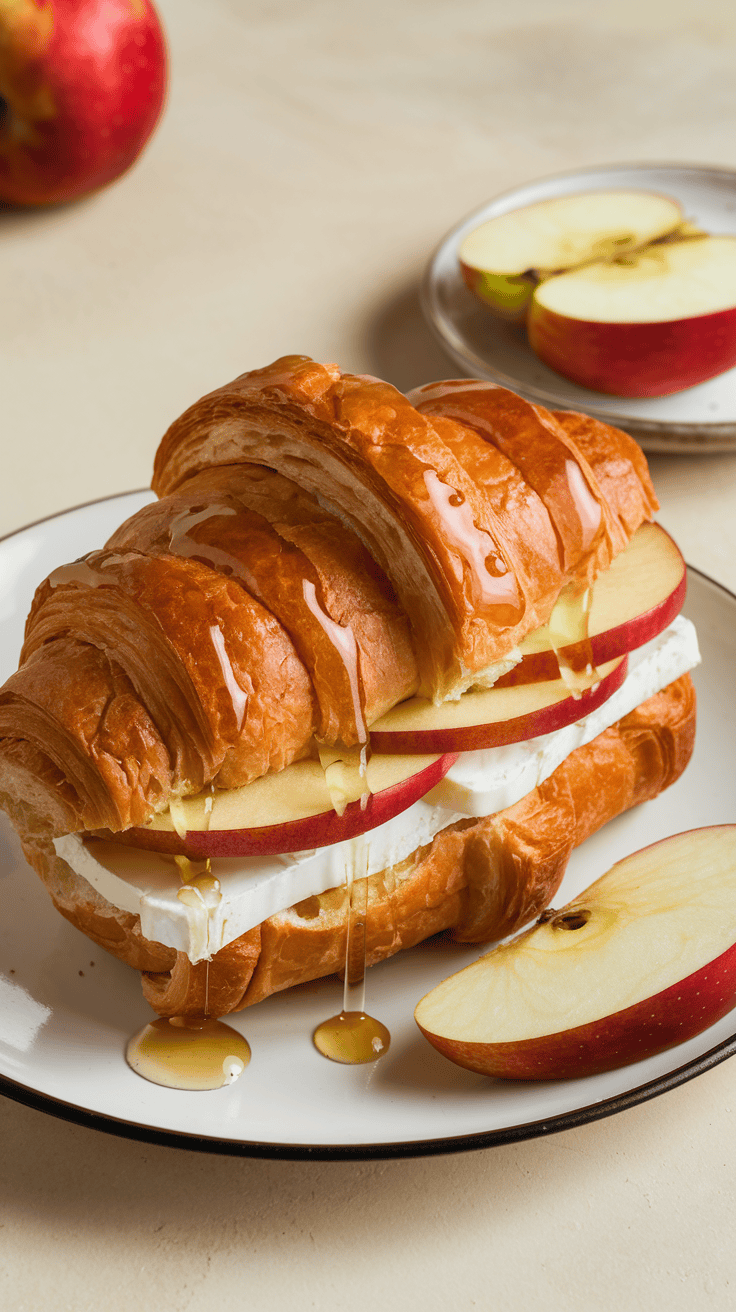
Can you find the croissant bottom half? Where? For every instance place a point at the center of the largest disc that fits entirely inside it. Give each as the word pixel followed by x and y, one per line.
pixel 481 879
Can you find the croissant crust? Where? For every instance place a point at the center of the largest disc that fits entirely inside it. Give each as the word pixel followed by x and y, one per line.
pixel 246 617
pixel 476 534
pixel 482 879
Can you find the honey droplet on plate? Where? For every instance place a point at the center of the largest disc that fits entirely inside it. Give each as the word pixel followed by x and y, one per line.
pixel 352 1038
pixel 188 1054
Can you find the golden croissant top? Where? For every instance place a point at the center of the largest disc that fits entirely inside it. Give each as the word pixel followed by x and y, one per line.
pixel 478 505
pixel 323 547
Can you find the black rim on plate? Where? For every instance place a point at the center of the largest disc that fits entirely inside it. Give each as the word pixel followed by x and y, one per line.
pixel 142 1133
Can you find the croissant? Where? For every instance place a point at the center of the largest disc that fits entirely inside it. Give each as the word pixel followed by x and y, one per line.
pixel 478 525
pixel 323 548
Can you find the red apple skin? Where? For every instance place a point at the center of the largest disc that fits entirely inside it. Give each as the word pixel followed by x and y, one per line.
pixel 475 737
pixel 676 1014
pixel 606 646
pixel 635 359
pixel 84 84
pixel 321 830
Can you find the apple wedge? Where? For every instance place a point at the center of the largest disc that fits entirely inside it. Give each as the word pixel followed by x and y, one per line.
pixel 633 601
pixel 288 811
pixel 648 324
pixel 492 717
pixel 643 960
pixel 503 260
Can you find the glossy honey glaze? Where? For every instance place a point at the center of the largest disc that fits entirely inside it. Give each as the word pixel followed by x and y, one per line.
pixel 188 1054
pixel 568 635
pixel 352 1036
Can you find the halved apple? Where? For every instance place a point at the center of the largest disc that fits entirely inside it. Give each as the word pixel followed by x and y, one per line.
pixel 288 811
pixel 648 324
pixel 631 602
pixel 492 717
pixel 643 960
pixel 503 260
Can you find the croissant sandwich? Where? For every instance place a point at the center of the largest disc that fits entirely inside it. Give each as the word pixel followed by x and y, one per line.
pixel 445 622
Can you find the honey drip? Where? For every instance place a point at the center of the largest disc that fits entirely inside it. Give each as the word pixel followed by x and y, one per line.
pixel 346 774
pixel 353 1037
pixel 78 572
pixel 568 634
pixel 343 641
pixel 554 473
pixel 496 583
pixel 197 1052
pixel 188 1054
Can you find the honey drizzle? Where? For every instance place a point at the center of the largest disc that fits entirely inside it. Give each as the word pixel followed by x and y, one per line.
pixel 496 583
pixel 346 774
pixel 238 696
pixel 353 1037
pixel 343 641
pixel 191 1052
pixel 78 572
pixel 188 1054
pixel 564 475
pixel 567 628
pixel 341 636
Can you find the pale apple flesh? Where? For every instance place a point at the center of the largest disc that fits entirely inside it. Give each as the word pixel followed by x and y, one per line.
pixel 641 961
pixel 504 258
pixel 631 602
pixel 651 324
pixel 493 717
pixel 290 810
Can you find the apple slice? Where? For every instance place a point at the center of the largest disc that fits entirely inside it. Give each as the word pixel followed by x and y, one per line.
pixel 648 324
pixel 633 601
pixel 644 959
pixel 503 260
pixel 492 717
pixel 288 811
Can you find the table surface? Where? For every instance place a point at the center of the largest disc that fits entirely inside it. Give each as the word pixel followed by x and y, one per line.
pixel 310 158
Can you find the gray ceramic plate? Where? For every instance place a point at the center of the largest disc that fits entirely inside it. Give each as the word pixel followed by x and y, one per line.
pixel 700 419
pixel 67 1009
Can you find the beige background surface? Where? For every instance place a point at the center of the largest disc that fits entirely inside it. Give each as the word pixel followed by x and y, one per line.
pixel 311 157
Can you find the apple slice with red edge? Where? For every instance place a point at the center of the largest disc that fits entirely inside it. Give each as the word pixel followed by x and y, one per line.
pixel 504 258
pixel 288 811
pixel 492 717
pixel 641 961
pixel 633 601
pixel 650 324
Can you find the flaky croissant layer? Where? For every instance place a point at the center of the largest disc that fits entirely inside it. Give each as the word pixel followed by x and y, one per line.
pixel 481 878
pixel 323 548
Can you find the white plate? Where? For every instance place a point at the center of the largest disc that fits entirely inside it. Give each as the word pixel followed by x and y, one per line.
pixel 64 1021
pixel 699 419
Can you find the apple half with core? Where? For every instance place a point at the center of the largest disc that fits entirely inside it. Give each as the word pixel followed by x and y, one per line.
pixel 492 717
pixel 641 961
pixel 648 324
pixel 290 810
pixel 82 86
pixel 503 259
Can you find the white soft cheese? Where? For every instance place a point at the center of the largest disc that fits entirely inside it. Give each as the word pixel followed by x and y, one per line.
pixel 254 888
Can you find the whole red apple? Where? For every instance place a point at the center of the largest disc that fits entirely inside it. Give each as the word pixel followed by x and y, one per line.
pixel 82 85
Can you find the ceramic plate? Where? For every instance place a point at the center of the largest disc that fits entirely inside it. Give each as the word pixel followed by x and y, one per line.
pixel 699 419
pixel 67 1009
